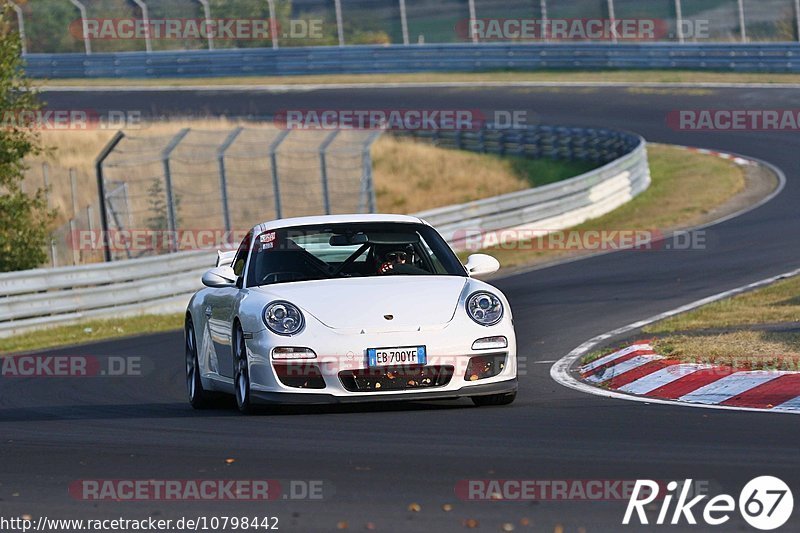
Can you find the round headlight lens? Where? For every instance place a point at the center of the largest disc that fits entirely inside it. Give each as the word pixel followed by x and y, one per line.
pixel 283 318
pixel 485 308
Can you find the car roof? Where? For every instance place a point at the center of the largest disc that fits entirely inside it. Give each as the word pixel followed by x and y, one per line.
pixel 334 219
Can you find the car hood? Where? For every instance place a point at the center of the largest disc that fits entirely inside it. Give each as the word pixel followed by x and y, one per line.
pixel 363 304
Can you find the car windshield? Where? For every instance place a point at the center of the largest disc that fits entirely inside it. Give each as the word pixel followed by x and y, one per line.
pixel 331 251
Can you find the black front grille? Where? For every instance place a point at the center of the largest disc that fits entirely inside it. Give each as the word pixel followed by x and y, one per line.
pixel 396 378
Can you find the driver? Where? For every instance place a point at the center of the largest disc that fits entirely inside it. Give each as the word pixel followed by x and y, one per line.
pixel 394 260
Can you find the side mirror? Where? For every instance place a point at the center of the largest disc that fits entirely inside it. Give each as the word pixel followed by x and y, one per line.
pixel 481 265
pixel 219 277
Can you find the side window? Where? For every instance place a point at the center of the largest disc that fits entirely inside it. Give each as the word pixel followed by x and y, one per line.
pixel 241 256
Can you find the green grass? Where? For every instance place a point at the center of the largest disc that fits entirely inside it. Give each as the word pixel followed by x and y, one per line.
pixel 624 76
pixel 90 331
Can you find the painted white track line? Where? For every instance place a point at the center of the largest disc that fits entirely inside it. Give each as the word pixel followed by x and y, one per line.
pixel 306 87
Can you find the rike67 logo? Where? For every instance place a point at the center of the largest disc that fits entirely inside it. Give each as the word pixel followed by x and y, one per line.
pixel 766 503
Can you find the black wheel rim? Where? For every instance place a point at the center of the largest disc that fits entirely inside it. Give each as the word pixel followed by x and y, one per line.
pixel 242 377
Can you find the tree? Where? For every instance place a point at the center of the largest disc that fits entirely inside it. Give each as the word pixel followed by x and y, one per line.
pixel 25 219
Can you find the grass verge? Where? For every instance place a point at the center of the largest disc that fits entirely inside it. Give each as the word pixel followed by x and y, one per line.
pixel 632 76
pixel 91 331
pixel 756 330
pixel 685 188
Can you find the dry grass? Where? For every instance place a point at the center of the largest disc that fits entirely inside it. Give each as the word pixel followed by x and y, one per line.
pixel 685 187
pixel 653 76
pixel 778 303
pixel 412 176
pixel 756 350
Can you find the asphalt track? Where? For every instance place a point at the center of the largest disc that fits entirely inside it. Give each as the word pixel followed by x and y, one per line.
pixel 378 460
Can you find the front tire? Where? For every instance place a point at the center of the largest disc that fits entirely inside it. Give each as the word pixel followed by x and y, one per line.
pixel 241 374
pixel 199 398
pixel 507 398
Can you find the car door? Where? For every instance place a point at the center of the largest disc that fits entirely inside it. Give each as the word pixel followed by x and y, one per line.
pixel 220 309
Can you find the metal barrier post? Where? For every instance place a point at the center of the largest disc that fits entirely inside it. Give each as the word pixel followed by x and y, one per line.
pixel 340 22
pixel 404 21
pixel 146 22
pixel 323 169
pixel 101 187
pixel 87 43
pixel 273 157
pixel 21 25
pixel 172 224
pixel 223 178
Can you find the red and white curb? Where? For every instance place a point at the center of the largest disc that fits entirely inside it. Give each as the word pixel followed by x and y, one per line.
pixel 739 160
pixel 638 370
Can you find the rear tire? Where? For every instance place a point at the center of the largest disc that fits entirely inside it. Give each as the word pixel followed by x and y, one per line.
pixel 199 398
pixel 506 398
pixel 241 372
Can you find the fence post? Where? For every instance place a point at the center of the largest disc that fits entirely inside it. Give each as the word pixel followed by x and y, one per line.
pixel 76 254
pixel 46 178
pixel 742 22
pixel 323 169
pixel 87 43
pixel 207 15
pixel 273 24
pixel 273 157
pixel 223 177
pixel 544 19
pixel 612 17
pixel 472 18
pixel 73 188
pixel 340 22
pixel 797 16
pixel 21 25
pixel 172 224
pixel 148 46
pixel 101 187
pixel 367 197
pixel 404 21
pixel 679 20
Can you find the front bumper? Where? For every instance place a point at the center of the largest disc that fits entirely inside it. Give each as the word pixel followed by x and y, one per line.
pixel 340 353
pixel 484 389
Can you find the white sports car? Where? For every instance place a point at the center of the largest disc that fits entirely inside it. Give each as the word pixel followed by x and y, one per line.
pixel 349 308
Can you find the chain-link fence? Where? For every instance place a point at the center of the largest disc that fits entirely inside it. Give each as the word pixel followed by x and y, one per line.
pixel 91 26
pixel 200 189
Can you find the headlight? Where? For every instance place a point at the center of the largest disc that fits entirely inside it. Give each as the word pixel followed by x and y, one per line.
pixel 283 318
pixel 485 308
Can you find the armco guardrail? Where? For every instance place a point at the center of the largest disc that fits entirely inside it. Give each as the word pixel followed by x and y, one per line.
pixel 624 175
pixel 47 297
pixel 751 57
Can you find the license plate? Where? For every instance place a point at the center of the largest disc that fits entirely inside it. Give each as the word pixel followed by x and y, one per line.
pixel 411 355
